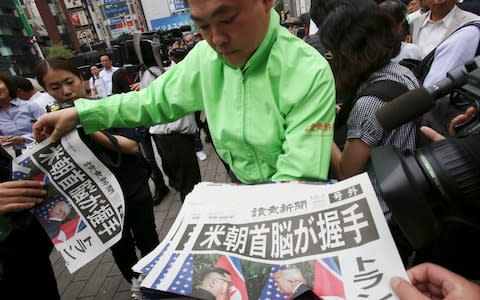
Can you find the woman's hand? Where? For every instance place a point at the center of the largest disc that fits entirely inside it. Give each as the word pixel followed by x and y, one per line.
pixel 16 140
pixel 20 195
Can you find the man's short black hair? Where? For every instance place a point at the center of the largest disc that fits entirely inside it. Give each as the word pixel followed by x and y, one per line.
pixel 107 55
pixel 22 83
pixel 220 271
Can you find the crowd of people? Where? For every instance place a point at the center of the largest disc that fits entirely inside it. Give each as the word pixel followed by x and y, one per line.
pixel 273 103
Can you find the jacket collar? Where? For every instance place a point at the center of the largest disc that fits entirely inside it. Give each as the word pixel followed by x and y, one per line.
pixel 263 51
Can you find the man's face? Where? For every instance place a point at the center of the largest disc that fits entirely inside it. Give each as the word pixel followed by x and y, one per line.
pixel 440 4
pixel 220 284
pixel 106 62
pixel 21 94
pixel 233 28
pixel 94 70
pixel 4 92
pixel 188 38
pixel 59 211
pixel 413 6
pixel 287 280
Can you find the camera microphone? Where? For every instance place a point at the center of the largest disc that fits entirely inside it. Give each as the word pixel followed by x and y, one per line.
pixel 405 108
pixel 416 102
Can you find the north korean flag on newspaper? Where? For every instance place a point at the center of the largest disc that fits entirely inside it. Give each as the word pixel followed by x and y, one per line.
pixel 327 279
pixel 238 290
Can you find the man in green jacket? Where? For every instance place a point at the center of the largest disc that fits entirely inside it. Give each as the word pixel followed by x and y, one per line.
pixel 269 98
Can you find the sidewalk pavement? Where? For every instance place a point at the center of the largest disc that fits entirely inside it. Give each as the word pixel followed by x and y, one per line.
pixel 100 279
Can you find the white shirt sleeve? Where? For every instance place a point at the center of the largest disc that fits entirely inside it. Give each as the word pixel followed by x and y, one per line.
pixel 456 50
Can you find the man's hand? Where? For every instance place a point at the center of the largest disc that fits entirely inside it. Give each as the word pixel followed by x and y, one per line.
pixel 431 134
pixel 20 195
pixel 55 124
pixel 460 119
pixel 434 282
pixel 135 86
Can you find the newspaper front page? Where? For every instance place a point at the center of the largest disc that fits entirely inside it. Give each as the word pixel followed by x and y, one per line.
pixel 275 241
pixel 84 207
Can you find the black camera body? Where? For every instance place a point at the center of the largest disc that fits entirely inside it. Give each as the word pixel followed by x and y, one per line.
pixel 470 92
pixel 433 192
pixel 154 47
pixel 56 106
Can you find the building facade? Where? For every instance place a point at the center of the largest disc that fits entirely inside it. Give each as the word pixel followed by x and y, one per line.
pixel 166 14
pixel 17 54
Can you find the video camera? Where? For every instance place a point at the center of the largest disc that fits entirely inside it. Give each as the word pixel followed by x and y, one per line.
pixel 433 192
pixel 148 48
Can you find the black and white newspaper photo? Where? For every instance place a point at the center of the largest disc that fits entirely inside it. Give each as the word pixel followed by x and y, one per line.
pixel 276 241
pixel 84 207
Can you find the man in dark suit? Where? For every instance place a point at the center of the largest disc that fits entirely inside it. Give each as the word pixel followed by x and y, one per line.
pixel 291 282
pixel 215 285
pixel 56 216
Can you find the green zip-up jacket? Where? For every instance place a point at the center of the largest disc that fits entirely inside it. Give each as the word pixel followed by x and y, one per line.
pixel 271 120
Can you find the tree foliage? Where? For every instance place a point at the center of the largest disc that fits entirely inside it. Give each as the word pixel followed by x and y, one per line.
pixel 59 50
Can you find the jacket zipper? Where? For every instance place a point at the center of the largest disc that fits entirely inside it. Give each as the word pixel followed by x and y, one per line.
pixel 252 149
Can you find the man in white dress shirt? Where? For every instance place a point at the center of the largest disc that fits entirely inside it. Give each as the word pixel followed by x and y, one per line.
pixel 431 28
pixel 107 72
pixel 25 91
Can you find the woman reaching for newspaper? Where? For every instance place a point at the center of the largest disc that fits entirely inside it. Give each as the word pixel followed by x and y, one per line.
pixel 63 81
pixel 24 246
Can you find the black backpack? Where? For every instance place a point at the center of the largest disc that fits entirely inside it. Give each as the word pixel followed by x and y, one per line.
pixel 438 118
pixel 386 90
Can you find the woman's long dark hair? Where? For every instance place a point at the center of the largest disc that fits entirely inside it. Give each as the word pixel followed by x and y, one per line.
pixel 362 39
pixel 10 85
pixel 54 63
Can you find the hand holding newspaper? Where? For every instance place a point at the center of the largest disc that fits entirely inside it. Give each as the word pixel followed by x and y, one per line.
pixel 84 207
pixel 276 241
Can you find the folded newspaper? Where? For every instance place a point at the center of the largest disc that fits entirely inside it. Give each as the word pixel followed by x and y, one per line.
pixel 84 207
pixel 276 241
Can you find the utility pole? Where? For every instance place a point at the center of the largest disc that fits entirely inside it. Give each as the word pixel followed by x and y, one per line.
pixel 28 28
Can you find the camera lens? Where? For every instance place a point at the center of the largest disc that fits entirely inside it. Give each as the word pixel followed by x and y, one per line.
pixel 432 193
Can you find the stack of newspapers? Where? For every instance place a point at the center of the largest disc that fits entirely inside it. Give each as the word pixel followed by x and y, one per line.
pixel 275 241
